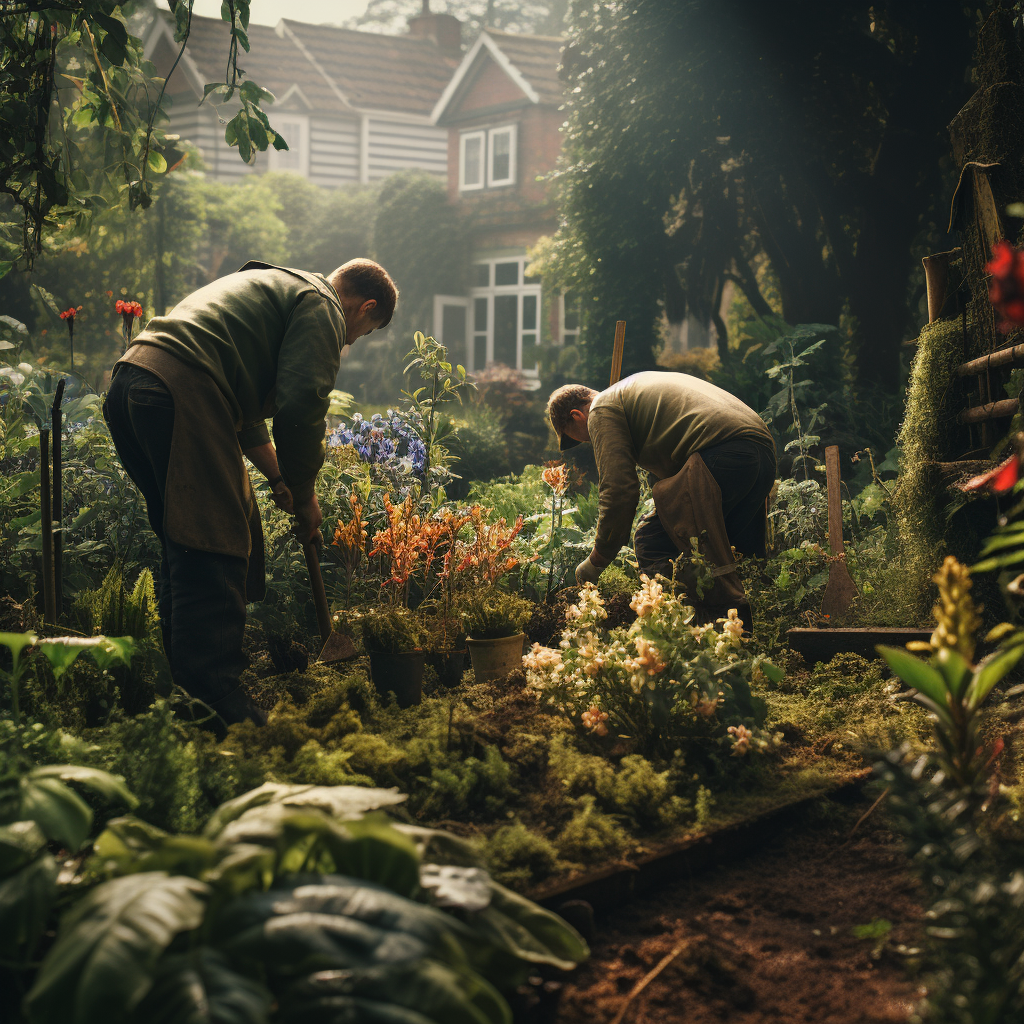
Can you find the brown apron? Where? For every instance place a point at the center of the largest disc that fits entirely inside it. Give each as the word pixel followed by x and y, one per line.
pixel 209 504
pixel 689 504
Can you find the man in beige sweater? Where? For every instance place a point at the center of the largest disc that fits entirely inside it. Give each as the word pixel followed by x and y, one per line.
pixel 711 460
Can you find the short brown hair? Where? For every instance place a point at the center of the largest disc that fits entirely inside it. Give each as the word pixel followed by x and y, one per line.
pixel 365 279
pixel 564 400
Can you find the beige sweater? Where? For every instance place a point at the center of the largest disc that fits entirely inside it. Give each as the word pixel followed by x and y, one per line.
pixel 656 421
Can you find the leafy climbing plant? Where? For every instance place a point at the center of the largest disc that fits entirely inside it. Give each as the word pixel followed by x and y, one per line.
pixel 103 146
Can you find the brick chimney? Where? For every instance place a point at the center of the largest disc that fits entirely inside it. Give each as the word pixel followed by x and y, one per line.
pixel 444 29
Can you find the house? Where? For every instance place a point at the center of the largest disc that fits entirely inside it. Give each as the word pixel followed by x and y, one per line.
pixel 501 110
pixel 354 107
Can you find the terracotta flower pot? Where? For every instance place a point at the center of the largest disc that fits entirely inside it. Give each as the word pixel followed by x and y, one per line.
pixel 400 674
pixel 449 666
pixel 494 659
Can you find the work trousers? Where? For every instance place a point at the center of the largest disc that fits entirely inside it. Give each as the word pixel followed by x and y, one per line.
pixel 201 594
pixel 745 473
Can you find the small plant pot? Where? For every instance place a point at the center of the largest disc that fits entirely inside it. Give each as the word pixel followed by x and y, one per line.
pixel 494 659
pixel 449 666
pixel 400 674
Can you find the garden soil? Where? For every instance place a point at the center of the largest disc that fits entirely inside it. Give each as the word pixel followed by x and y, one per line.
pixel 769 939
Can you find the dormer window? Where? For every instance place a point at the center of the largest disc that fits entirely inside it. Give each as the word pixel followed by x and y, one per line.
pixel 294 128
pixel 487 158
pixel 501 148
pixel 472 146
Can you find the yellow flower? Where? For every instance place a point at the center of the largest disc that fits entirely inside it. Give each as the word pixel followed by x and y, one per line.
pixel 648 598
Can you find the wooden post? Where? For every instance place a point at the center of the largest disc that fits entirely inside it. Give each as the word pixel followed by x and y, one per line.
pixel 56 418
pixel 620 341
pixel 49 608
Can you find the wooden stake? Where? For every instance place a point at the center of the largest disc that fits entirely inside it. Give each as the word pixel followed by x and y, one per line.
pixel 620 341
pixel 58 504
pixel 49 608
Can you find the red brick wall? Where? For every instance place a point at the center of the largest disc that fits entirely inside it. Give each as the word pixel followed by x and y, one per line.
pixel 538 143
pixel 490 88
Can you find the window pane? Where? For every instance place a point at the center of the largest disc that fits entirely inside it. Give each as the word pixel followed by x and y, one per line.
pixel 529 312
pixel 506 328
pixel 479 351
pixel 479 314
pixel 502 156
pixel 472 164
pixel 569 339
pixel 289 159
pixel 453 328
pixel 529 352
pixel 572 312
pixel 506 273
pixel 482 275
pixel 531 279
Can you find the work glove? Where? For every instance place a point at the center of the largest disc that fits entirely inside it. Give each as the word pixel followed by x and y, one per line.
pixel 587 572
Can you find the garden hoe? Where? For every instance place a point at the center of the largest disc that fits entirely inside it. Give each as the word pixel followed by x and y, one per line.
pixel 337 646
pixel 840 590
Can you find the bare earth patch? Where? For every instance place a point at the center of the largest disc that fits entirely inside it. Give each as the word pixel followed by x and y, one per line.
pixel 769 939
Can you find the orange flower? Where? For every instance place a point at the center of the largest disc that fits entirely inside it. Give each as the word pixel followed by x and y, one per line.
pixel 556 476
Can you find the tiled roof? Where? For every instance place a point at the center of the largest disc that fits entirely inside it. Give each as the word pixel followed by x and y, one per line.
pixel 273 62
pixel 536 58
pixel 379 72
pixel 373 71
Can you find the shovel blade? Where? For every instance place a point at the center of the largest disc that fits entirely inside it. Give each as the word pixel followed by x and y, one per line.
pixel 339 647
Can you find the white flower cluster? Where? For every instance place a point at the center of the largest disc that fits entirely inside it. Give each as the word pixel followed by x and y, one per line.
pixel 648 598
pixel 588 608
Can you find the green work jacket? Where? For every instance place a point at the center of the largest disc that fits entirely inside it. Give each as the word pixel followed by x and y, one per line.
pixel 656 421
pixel 271 338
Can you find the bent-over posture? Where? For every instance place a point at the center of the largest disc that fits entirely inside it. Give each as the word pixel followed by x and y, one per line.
pixel 712 463
pixel 188 399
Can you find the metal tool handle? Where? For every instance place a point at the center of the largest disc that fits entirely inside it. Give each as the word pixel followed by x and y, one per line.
pixel 835 500
pixel 316 582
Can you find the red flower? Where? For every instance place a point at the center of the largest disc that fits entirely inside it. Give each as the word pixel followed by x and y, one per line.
pixel 998 480
pixel 1006 284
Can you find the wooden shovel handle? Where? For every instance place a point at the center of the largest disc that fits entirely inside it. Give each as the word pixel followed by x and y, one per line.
pixel 316 582
pixel 835 500
pixel 620 342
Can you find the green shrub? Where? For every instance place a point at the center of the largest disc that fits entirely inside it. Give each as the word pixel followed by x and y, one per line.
pixel 591 835
pixel 495 614
pixel 390 630
pixel 516 856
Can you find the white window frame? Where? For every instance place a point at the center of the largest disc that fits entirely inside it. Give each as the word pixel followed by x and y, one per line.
pixel 440 301
pixel 481 136
pixel 491 292
pixel 561 321
pixel 299 147
pixel 492 181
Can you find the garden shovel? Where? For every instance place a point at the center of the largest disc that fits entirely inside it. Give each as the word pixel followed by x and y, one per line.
pixel 337 646
pixel 840 590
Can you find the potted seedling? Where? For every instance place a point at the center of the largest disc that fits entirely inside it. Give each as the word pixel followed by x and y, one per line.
pixel 391 636
pixel 494 623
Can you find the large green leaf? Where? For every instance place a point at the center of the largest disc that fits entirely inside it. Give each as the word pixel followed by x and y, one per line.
pixel 202 988
pixel 916 673
pixel 128 846
pixel 955 670
pixel 61 814
pixel 436 847
pixel 991 670
pixel 430 988
pixel 350 1010
pixel 26 899
pixel 108 947
pixel 345 802
pixel 527 931
pixel 20 843
pixel 335 922
pixel 308 840
pixel 110 787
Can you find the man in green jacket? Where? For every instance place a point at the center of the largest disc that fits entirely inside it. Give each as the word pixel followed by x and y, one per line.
pixel 189 398
pixel 711 460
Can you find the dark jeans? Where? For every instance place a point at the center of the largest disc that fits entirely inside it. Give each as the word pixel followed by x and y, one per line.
pixel 745 472
pixel 201 594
